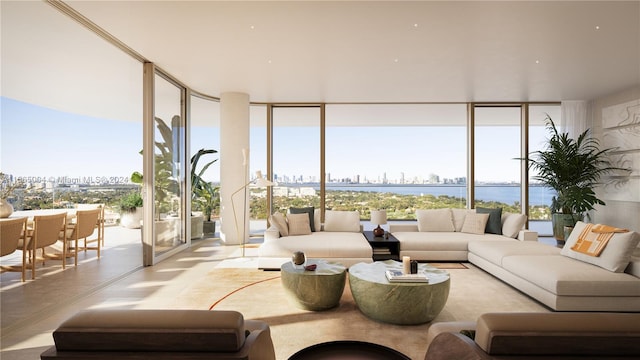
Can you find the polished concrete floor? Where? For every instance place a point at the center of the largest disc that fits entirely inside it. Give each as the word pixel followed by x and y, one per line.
pixel 33 309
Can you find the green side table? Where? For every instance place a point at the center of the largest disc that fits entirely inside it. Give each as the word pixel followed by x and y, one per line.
pixel 398 303
pixel 317 290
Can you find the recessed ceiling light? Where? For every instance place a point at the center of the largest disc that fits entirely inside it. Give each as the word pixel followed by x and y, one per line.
pixel 597 27
pixel 415 25
pixel 252 27
pixel 269 61
pixel 395 60
pixel 537 61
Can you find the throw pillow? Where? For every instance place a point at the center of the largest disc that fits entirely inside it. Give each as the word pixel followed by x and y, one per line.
pixel 458 217
pixel 475 223
pixel 280 222
pixel 299 224
pixel 310 213
pixel 494 225
pixel 348 221
pixel 435 220
pixel 614 257
pixel 512 224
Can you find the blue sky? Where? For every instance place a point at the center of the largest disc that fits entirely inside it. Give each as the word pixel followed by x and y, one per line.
pixel 42 142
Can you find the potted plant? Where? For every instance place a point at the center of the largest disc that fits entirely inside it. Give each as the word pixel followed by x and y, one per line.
pixel 204 195
pixel 209 199
pixel 131 210
pixel 573 168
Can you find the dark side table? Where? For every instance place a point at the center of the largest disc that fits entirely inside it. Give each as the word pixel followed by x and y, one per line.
pixel 383 248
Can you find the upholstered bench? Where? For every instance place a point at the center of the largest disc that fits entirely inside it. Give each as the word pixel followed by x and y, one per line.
pixel 538 335
pixel 161 334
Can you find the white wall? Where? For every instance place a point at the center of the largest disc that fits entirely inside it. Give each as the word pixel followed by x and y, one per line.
pixel 624 214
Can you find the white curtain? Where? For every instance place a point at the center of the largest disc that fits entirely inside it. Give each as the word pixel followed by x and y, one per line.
pixel 573 117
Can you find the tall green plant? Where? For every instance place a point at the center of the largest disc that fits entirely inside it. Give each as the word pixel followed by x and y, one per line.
pixel 202 192
pixel 165 184
pixel 573 168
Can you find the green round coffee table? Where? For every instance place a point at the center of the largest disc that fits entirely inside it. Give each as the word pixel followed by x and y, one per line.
pixel 398 303
pixel 317 290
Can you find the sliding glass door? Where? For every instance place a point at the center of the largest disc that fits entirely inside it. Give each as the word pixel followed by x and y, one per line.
pixel 165 167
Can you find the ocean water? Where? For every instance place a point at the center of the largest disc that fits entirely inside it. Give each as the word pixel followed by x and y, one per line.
pixel 538 195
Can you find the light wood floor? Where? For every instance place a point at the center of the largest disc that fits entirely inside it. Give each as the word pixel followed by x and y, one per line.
pixel 30 311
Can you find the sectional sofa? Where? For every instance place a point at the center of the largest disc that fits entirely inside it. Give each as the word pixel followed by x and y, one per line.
pixel 564 279
pixel 339 239
pixel 436 236
pixel 496 242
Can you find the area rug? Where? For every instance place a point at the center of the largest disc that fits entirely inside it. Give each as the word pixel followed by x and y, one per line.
pixel 259 295
pixel 446 266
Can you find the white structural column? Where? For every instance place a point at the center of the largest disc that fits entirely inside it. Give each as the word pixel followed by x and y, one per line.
pixel 234 138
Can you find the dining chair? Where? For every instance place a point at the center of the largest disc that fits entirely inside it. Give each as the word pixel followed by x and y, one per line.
pixel 46 232
pixel 83 227
pixel 101 219
pixel 12 238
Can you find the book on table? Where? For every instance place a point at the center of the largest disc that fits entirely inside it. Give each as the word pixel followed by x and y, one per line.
pixel 399 276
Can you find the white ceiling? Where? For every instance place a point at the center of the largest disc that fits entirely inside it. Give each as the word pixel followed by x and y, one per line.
pixel 377 51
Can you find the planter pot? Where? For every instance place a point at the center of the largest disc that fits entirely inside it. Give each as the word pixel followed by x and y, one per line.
pixel 209 227
pixel 6 209
pixel 131 220
pixel 197 226
pixel 559 221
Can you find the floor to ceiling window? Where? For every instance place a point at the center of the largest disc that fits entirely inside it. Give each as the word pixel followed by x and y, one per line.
pixel 204 136
pixel 296 157
pixel 59 125
pixel 169 164
pixel 397 158
pixel 540 196
pixel 258 211
pixel 497 148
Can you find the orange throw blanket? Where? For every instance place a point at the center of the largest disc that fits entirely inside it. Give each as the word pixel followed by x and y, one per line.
pixel 594 238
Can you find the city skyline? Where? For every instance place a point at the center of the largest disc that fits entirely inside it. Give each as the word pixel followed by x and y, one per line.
pixel 42 142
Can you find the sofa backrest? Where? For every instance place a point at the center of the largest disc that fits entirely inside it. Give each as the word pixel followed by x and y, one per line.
pixel 152 330
pixel 611 334
pixel 511 223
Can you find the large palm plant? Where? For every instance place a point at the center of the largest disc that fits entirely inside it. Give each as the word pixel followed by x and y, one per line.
pixel 203 192
pixel 573 168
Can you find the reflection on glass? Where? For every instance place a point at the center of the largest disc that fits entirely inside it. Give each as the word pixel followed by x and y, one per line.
pixel 169 138
pixel 540 196
pixel 258 162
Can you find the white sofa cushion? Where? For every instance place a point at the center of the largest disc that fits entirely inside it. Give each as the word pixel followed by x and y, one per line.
pixel 433 241
pixel 458 217
pixel 614 257
pixel 512 224
pixel 475 223
pixel 495 251
pixel 435 220
pixel 320 244
pixel 564 276
pixel 280 222
pixel 317 224
pixel 494 224
pixel 299 224
pixel 347 221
